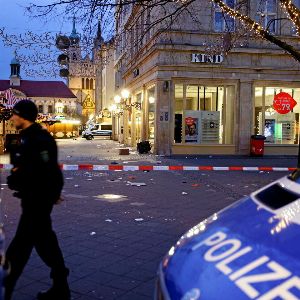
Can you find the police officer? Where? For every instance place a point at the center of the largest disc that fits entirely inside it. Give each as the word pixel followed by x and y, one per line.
pixel 37 180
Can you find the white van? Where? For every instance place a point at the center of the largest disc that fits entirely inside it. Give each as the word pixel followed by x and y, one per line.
pixel 102 129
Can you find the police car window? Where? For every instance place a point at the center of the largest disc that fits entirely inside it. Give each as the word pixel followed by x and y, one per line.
pixel 276 196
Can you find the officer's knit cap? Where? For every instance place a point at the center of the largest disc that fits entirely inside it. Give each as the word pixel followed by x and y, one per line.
pixel 26 109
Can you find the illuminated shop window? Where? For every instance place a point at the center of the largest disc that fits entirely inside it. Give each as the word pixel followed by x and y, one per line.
pixel 203 114
pixel 151 113
pixel 279 123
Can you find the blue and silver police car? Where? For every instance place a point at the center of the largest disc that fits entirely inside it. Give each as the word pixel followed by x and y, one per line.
pixel 250 250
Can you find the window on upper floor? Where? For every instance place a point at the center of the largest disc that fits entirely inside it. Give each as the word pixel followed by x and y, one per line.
pixel 267 15
pixel 82 83
pixel 296 3
pixel 41 109
pixel 50 109
pixel 87 84
pixel 223 22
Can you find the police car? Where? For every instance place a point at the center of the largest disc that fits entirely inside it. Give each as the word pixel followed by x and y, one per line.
pixel 250 250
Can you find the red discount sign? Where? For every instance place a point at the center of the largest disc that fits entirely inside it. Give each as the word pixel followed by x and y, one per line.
pixel 283 103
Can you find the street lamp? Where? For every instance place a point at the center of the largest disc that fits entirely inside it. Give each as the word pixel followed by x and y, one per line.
pixel 112 108
pixel 125 94
pixel 151 100
pixel 117 99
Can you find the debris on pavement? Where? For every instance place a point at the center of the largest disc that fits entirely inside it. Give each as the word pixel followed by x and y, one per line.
pixel 111 198
pixel 139 219
pixel 93 233
pixel 136 183
pixel 113 180
pixel 184 193
pixel 108 220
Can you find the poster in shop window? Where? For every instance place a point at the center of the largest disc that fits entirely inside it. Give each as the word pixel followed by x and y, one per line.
pixel 191 129
pixel 269 131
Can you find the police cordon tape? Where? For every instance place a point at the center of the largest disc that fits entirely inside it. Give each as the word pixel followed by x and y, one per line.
pixel 90 167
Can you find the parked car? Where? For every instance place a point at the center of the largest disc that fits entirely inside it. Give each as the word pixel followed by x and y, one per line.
pixel 250 250
pixel 97 130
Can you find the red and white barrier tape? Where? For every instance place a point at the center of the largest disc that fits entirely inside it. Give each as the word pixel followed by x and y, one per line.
pixel 90 167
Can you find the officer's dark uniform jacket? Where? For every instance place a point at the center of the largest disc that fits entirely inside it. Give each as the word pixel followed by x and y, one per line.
pixel 36 175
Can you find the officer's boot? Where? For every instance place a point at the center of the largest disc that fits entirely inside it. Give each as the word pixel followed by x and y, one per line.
pixel 7 294
pixel 59 291
pixel 9 283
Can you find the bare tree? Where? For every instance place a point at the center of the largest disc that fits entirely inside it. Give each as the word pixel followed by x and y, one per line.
pixel 293 13
pixel 89 12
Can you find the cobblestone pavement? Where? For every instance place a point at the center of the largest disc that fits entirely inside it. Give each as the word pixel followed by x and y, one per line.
pixel 113 244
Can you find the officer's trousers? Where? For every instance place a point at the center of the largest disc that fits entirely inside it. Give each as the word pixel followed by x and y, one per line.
pixel 34 231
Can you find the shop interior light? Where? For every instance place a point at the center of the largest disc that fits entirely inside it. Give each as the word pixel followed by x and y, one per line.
pixel 151 100
pixel 117 99
pixel 75 122
pixel 125 94
pixel 113 107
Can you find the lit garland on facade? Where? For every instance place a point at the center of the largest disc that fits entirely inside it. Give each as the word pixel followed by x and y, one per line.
pixel 293 12
pixel 258 29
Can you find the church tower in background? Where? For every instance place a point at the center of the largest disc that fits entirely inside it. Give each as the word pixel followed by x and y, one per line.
pixel 81 75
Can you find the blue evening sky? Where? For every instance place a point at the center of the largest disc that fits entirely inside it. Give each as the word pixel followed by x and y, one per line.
pixel 14 20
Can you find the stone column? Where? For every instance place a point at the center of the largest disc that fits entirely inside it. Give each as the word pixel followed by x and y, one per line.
pixel 133 127
pixel 163 100
pixel 245 117
pixel 144 108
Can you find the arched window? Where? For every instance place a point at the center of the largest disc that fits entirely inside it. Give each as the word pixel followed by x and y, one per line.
pixel 82 82
pixel 91 84
pixel 87 83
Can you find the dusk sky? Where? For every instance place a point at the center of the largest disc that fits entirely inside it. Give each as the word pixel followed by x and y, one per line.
pixel 14 20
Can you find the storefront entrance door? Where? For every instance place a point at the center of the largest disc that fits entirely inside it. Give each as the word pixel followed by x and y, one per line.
pixel 138 124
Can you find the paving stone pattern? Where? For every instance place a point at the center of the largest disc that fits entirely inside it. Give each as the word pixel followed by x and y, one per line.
pixel 113 245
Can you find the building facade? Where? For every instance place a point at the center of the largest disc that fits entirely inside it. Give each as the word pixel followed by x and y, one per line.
pixel 193 90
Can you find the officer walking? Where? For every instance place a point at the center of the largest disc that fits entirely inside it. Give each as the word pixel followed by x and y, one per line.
pixel 37 180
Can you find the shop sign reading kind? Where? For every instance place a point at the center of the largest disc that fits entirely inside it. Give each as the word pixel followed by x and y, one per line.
pixel 206 58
